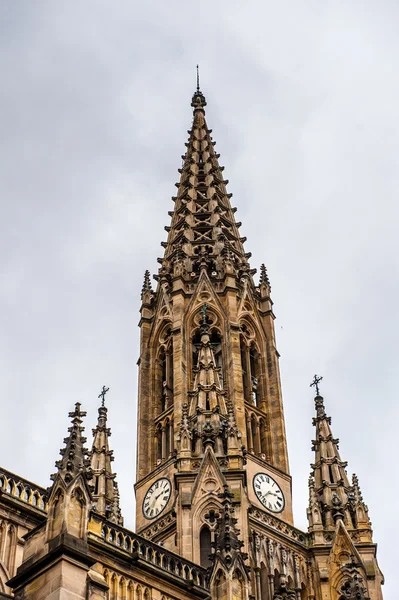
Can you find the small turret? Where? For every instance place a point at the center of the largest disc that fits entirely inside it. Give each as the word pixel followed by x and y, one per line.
pixel 106 493
pixel 331 484
pixel 337 515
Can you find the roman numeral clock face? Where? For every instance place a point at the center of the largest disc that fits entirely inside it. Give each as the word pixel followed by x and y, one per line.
pixel 156 498
pixel 268 492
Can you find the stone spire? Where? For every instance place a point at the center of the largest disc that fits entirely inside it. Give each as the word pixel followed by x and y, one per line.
pixel 203 233
pixel 75 458
pixel 331 496
pixel 106 493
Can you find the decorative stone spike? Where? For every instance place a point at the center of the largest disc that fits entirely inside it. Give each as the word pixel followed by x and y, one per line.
pixel 116 515
pixel 227 544
pixel 106 493
pixel 74 456
pixel 264 279
pixel 147 287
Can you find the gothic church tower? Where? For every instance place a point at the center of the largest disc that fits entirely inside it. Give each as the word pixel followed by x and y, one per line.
pixel 210 404
pixel 213 481
pixel 213 490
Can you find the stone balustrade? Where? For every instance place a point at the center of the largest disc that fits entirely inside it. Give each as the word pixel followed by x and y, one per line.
pixel 154 554
pixel 23 490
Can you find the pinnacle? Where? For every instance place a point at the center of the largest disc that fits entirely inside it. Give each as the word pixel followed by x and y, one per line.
pixel 106 492
pixel 146 283
pixel 203 233
pixel 356 487
pixel 74 456
pixel 264 278
pixel 227 543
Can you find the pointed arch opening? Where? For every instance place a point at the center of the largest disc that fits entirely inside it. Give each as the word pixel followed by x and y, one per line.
pixel 245 369
pixel 164 378
pixel 254 365
pixel 205 547
pixel 265 592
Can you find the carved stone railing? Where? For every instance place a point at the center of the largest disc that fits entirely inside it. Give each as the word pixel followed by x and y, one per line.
pixel 23 490
pixel 290 531
pixel 155 555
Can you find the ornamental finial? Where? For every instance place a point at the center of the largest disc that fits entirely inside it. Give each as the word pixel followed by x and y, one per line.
pixel 102 395
pixel 315 383
pixel 198 100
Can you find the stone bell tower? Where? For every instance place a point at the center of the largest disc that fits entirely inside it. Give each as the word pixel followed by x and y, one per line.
pixel 213 483
pixel 210 414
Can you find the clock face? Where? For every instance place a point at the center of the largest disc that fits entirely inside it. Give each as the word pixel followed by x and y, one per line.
pixel 156 498
pixel 268 492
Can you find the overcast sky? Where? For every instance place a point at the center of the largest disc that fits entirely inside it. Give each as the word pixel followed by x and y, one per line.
pixel 94 109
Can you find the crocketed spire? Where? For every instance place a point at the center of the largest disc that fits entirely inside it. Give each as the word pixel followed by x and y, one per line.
pixel 203 233
pixel 331 495
pixel 106 493
pixel 74 456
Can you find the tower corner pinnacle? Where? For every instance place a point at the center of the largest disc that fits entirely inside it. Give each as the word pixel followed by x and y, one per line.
pixel 106 492
pixel 75 459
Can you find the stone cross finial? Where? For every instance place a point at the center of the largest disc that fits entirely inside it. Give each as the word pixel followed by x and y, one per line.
pixel 102 394
pixel 315 383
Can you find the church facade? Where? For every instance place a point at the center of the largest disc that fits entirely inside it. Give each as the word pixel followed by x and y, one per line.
pixel 214 513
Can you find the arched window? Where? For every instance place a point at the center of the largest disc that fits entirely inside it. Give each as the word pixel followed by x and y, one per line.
pixel 196 343
pixel 245 367
pixel 167 439
pixel 254 368
pixel 205 547
pixel 162 390
pixel 164 371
